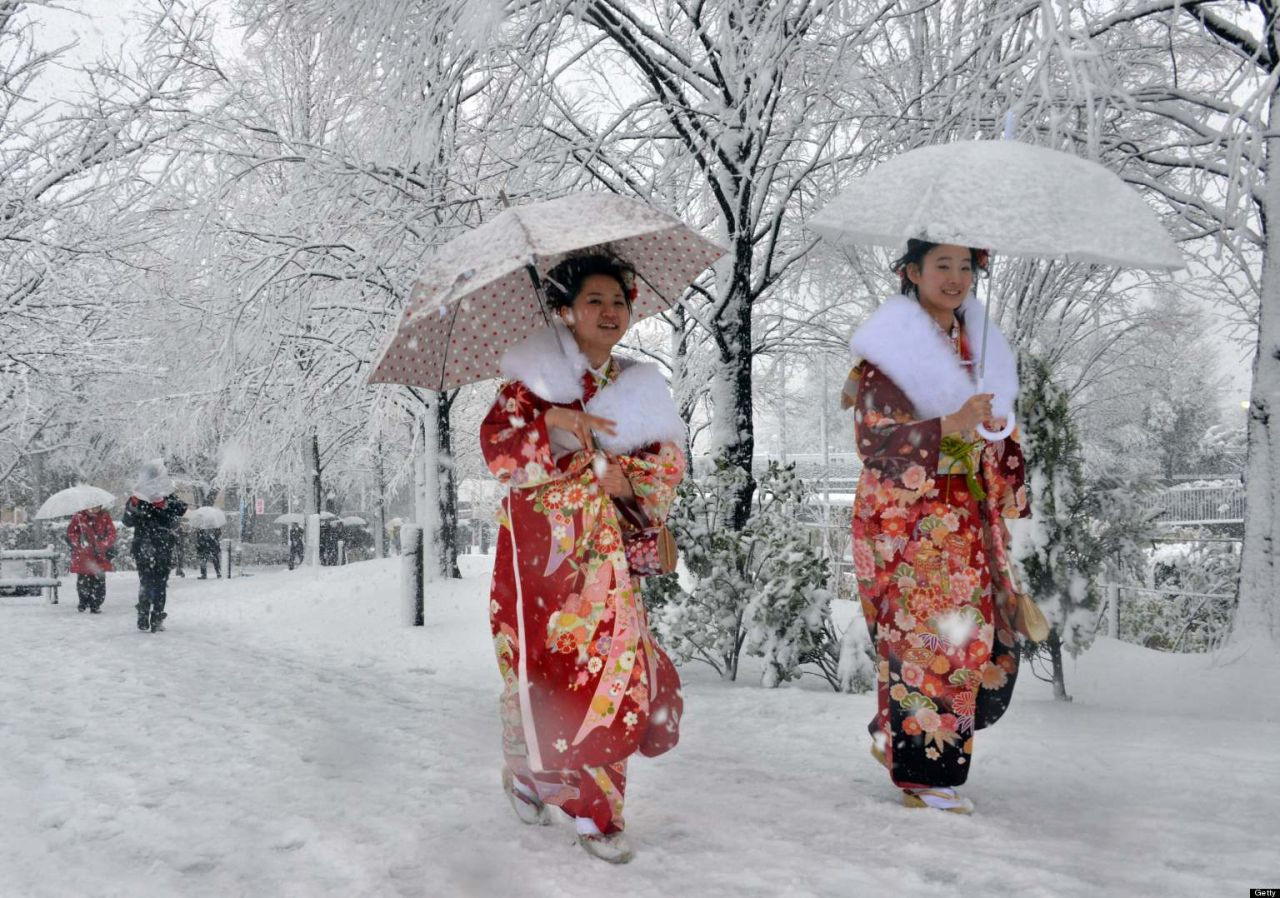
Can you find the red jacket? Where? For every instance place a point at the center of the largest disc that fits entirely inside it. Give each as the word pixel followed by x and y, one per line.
pixel 90 535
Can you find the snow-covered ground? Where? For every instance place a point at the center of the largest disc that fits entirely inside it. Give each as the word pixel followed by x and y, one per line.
pixel 287 737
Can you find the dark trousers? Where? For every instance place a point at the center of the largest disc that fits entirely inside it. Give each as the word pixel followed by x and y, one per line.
pixel 212 558
pixel 153 585
pixel 92 590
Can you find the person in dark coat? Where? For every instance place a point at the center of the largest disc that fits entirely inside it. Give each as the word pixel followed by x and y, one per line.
pixel 152 512
pixel 92 537
pixel 180 539
pixel 297 549
pixel 208 548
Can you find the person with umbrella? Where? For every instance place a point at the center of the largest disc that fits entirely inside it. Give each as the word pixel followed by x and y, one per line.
pixel 92 536
pixel 152 512
pixel 585 684
pixel 930 544
pixel 929 539
pixel 208 548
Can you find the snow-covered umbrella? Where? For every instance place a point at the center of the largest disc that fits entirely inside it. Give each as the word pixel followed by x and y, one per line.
pixel 1012 198
pixel 65 503
pixel 354 520
pixel 395 522
pixel 206 517
pixel 291 518
pixel 1009 197
pixel 327 516
pixel 481 292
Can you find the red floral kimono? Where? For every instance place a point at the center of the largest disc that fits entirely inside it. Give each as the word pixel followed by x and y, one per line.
pixel 935 579
pixel 585 685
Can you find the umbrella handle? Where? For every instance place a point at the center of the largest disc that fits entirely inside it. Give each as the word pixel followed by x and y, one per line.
pixel 1008 424
pixel 996 437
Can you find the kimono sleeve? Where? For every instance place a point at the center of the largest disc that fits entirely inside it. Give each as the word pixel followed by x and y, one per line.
pixel 1005 470
pixel 514 439
pixel 654 471
pixel 888 437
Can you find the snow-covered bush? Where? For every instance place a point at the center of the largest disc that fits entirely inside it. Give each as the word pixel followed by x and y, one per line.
pixel 761 589
pixel 1063 554
pixel 1191 609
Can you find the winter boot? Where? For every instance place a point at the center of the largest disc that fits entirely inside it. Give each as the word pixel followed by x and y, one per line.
pixel 528 807
pixel 940 798
pixel 144 623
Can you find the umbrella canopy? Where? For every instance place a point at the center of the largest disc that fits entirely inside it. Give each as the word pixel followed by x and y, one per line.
pixel 327 516
pixel 206 517
pixel 476 297
pixel 395 522
pixel 354 520
pixel 1008 197
pixel 65 503
pixel 292 518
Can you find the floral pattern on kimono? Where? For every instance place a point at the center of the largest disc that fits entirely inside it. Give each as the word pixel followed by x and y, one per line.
pixel 593 687
pixel 935 580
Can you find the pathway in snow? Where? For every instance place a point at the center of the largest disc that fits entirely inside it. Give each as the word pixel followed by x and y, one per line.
pixel 286 737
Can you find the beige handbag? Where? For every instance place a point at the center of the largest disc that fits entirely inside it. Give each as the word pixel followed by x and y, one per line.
pixel 1029 620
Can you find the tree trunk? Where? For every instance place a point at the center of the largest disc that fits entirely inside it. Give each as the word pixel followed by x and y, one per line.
pixel 1256 614
pixel 429 491
pixel 1054 647
pixel 448 489
pixel 380 476
pixel 734 436
pixel 318 494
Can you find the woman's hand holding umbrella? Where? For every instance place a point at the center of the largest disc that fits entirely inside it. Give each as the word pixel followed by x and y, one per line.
pixel 580 424
pixel 975 411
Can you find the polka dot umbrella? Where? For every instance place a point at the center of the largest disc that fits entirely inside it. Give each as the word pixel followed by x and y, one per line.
pixel 477 295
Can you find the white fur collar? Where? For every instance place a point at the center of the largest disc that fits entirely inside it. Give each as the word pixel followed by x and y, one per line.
pixel 904 342
pixel 551 365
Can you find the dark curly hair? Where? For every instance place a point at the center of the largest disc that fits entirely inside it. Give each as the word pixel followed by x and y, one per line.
pixel 564 281
pixel 918 249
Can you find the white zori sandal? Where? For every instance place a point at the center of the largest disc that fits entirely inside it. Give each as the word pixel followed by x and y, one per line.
pixel 940 798
pixel 528 807
pixel 612 848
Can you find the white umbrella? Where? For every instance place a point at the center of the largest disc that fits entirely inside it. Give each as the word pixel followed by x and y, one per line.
pixel 291 518
pixel 206 517
pixel 477 296
pixel 1008 197
pixel 395 522
pixel 327 516
pixel 65 503
pixel 354 520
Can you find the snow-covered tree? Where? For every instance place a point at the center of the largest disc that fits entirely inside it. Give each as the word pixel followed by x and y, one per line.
pixel 1063 554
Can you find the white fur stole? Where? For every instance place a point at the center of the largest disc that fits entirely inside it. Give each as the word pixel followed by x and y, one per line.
pixel 908 346
pixel 551 365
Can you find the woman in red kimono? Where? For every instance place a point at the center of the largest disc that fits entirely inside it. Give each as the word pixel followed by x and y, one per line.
pixel 585 685
pixel 929 540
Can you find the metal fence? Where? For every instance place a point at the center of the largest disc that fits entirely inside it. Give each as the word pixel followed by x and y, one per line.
pixel 1199 505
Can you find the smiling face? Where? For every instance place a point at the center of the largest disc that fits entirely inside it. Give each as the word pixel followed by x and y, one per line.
pixel 943 279
pixel 598 317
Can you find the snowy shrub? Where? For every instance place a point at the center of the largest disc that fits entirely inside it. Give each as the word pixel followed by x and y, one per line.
pixel 1192 601
pixel 761 589
pixel 1064 554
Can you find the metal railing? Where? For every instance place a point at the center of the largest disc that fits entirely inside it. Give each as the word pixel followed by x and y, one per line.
pixel 1199 505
